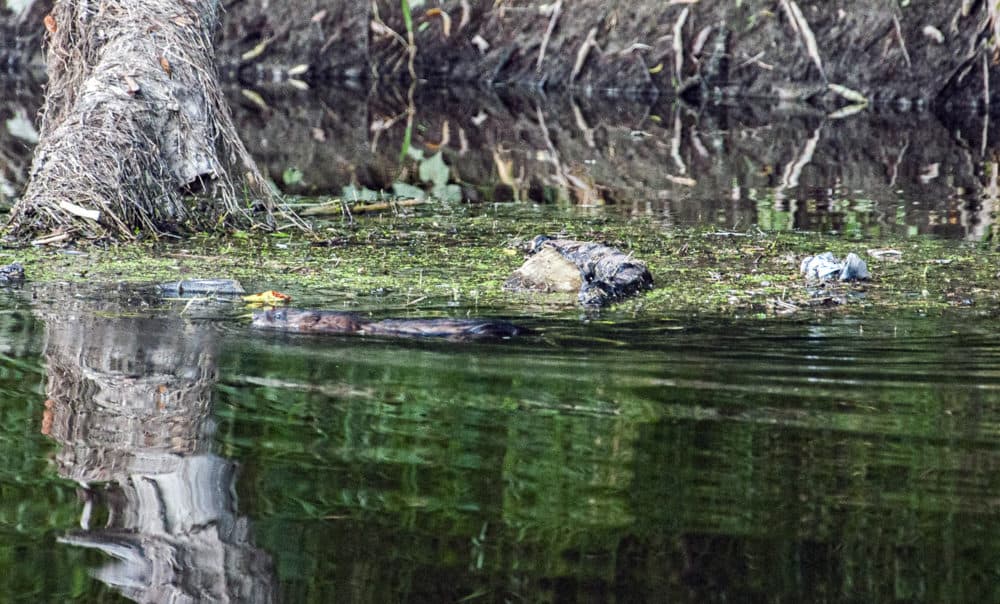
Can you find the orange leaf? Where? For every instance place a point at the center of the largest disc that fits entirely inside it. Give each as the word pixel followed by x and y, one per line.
pixel 445 19
pixel 165 64
pixel 50 24
pixel 268 298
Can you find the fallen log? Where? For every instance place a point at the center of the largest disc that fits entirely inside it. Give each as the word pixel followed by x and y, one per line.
pixel 133 120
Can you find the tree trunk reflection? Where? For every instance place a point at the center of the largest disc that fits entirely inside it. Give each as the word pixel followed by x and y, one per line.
pixel 129 401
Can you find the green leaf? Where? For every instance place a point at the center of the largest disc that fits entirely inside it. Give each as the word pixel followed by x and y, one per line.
pixel 353 193
pixel 452 193
pixel 434 170
pixel 406 191
pixel 292 176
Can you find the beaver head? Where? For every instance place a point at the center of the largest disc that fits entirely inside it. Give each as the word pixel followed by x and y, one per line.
pixel 307 321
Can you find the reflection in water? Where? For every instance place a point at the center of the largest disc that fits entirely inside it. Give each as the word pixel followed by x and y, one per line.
pixel 776 166
pixel 744 462
pixel 714 462
pixel 129 402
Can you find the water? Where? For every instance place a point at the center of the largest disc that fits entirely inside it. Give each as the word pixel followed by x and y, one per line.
pixel 780 461
pixel 152 456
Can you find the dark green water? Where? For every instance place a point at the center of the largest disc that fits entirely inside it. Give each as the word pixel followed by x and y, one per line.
pixel 695 461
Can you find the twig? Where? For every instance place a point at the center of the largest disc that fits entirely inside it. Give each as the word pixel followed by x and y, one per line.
pixel 801 27
pixel 553 153
pixel 675 144
pixel 581 55
pixel 581 123
pixel 790 178
pixel 56 238
pixel 894 172
pixel 338 207
pixel 466 12
pixel 902 42
pixel 76 210
pixel 678 43
pixel 986 80
pixel 556 10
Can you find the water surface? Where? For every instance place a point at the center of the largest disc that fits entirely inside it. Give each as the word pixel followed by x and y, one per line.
pixel 670 460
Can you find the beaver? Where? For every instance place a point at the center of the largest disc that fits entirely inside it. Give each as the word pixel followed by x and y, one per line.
pixel 333 322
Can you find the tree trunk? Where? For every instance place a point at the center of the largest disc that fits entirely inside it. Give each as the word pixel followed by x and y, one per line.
pixel 133 118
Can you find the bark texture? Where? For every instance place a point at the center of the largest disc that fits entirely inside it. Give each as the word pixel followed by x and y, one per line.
pixel 133 117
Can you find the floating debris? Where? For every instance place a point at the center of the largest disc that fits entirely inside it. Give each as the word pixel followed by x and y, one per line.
pixel 12 273
pixel 601 274
pixel 889 255
pixel 826 267
pixel 201 287
pixel 268 298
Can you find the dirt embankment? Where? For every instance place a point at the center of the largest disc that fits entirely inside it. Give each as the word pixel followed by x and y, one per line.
pixel 921 53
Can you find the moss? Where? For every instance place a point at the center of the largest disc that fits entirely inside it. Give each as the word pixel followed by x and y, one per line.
pixel 457 256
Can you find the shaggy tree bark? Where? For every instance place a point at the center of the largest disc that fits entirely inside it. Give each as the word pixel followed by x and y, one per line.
pixel 133 118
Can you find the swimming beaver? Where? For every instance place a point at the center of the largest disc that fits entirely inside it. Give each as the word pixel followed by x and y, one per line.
pixel 327 321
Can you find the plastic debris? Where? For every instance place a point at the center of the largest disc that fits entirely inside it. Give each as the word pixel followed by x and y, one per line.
pixel 12 273
pixel 826 267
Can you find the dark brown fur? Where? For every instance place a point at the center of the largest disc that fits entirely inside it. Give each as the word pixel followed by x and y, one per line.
pixel 330 322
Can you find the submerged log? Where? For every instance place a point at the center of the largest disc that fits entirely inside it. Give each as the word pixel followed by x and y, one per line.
pixel 133 119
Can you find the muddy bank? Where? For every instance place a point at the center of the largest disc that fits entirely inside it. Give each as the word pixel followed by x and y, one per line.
pixel 918 54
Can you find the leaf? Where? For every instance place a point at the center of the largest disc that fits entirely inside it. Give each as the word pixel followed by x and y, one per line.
pixel 292 176
pixel 434 170
pixel 268 298
pixel 851 95
pixel 407 191
pixel 21 127
pixel 353 193
pixel 452 193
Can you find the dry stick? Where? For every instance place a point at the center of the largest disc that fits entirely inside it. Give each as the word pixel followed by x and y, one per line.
pixel 902 42
pixel 894 172
pixel 986 100
pixel 675 143
pixel 553 153
pixel 986 79
pixel 801 27
pixel 581 55
pixel 341 207
pixel 82 212
pixel 466 12
pixel 556 10
pixel 679 43
pixel 581 123
pixel 790 178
